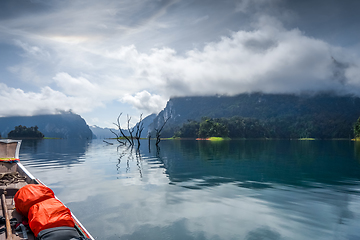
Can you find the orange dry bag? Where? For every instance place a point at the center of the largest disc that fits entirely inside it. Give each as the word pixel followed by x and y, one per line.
pixel 49 213
pixel 30 195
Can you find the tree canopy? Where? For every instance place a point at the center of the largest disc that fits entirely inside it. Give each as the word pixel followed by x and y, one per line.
pixel 357 128
pixel 322 127
pixel 323 115
pixel 24 132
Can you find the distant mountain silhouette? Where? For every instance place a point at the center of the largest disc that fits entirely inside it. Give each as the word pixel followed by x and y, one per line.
pixel 147 123
pixel 106 133
pixel 101 133
pixel 66 125
pixel 325 112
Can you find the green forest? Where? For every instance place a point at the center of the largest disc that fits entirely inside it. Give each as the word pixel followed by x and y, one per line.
pixel 24 132
pixel 259 115
pixel 357 129
pixel 322 127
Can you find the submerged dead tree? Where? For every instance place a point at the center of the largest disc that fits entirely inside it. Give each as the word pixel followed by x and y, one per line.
pixel 128 139
pixel 118 136
pixel 130 131
pixel 139 129
pixel 158 130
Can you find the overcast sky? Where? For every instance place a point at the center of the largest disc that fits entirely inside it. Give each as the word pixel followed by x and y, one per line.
pixel 100 58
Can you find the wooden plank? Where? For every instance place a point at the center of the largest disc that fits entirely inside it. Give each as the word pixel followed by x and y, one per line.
pixel 11 189
pixel 7 219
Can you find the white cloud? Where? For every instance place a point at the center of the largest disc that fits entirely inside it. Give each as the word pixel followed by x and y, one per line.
pixel 33 51
pixel 16 102
pixel 353 76
pixel 75 86
pixel 144 101
pixel 26 72
pixel 96 59
pixel 268 59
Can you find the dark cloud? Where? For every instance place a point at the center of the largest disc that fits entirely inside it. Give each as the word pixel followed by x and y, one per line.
pixel 335 21
pixel 14 9
pixel 92 52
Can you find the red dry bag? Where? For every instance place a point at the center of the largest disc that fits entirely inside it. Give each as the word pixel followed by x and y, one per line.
pixel 49 213
pixel 29 195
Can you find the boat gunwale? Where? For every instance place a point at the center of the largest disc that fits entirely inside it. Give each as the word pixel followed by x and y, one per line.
pixel 21 169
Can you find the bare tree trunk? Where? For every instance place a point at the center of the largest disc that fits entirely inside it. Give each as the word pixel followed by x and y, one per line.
pixel 130 139
pixel 139 129
pixel 130 131
pixel 121 131
pixel 158 131
pixel 118 137
pixel 149 138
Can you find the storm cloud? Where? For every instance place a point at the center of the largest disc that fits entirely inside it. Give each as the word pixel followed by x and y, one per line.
pixel 84 55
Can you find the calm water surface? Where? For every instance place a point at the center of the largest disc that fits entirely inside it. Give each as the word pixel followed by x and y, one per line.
pixel 205 190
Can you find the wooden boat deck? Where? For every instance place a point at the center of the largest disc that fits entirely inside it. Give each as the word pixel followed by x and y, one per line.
pixel 10 190
pixel 9 151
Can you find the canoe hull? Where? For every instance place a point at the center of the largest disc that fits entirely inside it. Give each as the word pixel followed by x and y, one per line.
pixel 9 188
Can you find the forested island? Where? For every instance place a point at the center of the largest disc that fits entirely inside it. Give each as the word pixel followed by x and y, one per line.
pixel 25 132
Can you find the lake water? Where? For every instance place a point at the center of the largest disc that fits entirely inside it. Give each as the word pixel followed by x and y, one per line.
pixel 205 190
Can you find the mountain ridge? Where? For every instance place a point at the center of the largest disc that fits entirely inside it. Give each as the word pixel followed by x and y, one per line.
pixel 261 106
pixel 64 125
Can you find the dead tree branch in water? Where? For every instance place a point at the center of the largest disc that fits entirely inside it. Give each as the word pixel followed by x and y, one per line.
pixel 108 142
pixel 149 138
pixel 121 131
pixel 139 129
pixel 158 130
pixel 118 137
pixel 130 131
pixel 130 139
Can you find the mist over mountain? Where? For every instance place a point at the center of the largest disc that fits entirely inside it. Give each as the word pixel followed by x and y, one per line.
pixel 319 112
pixel 65 125
pixel 322 116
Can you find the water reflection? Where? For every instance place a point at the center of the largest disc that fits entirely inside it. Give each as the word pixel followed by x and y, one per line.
pixel 129 153
pixel 263 233
pixel 208 190
pixel 53 153
pixel 357 149
pixel 259 164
